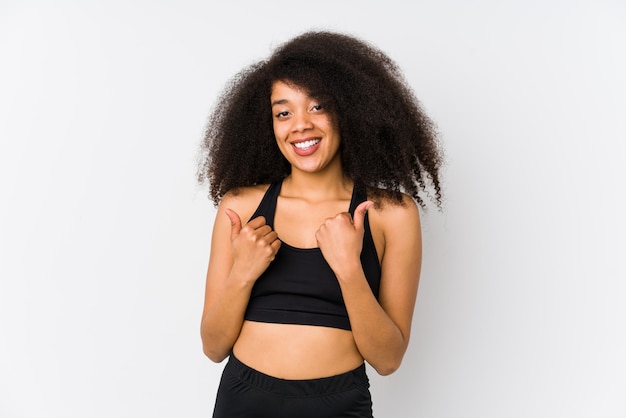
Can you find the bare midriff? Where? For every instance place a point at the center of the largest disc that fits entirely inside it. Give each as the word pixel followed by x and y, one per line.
pixel 296 351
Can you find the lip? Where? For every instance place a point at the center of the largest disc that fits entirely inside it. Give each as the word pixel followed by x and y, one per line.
pixel 308 151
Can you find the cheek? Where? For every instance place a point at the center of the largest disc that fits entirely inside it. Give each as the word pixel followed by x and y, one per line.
pixel 279 132
pixel 280 140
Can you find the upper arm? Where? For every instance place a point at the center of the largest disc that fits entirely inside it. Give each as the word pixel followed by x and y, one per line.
pixel 401 262
pixel 221 256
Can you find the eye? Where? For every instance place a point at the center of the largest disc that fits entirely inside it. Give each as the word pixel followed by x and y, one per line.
pixel 282 114
pixel 317 108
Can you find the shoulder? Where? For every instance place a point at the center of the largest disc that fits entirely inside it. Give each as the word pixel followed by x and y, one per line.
pixel 392 213
pixel 243 200
pixel 394 221
pixel 389 210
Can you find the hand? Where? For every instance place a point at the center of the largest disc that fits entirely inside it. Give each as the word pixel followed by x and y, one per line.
pixel 340 238
pixel 254 245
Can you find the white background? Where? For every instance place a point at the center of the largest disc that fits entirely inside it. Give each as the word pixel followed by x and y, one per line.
pixel 104 235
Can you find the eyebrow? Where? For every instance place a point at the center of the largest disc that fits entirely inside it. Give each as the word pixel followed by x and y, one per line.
pixel 278 102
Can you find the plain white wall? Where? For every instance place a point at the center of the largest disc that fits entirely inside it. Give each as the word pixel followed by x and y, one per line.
pixel 104 235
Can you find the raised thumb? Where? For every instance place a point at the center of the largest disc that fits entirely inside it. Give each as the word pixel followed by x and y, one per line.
pixel 235 222
pixel 359 213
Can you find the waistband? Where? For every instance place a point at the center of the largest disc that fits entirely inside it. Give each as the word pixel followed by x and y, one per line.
pixel 287 387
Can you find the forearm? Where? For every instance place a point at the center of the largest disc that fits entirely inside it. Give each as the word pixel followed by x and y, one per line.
pixel 222 323
pixel 379 340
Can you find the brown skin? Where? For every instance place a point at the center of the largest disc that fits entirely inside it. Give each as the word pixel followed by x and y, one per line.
pixel 241 251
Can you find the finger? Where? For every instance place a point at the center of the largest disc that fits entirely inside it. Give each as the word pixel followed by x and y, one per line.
pixel 275 244
pixel 263 231
pixel 271 237
pixel 235 222
pixel 359 213
pixel 257 222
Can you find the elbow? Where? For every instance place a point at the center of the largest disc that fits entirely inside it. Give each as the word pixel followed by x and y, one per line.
pixel 216 356
pixel 388 364
pixel 215 350
pixel 388 367
pixel 385 372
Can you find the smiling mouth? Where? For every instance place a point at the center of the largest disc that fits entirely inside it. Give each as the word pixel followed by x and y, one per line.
pixel 305 145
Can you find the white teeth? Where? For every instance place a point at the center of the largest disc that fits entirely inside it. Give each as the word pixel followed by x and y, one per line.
pixel 306 144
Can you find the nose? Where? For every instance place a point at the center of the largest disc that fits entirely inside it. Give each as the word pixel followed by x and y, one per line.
pixel 302 121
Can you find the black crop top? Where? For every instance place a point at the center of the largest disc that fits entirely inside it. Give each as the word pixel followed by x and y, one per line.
pixel 299 287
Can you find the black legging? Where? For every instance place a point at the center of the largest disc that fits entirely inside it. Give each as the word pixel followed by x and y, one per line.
pixel 247 393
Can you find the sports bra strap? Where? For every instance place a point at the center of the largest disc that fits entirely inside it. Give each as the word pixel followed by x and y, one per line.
pixel 267 207
pixel 358 196
pixel 268 203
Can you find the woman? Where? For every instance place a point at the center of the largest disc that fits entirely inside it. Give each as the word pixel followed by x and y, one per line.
pixel 316 157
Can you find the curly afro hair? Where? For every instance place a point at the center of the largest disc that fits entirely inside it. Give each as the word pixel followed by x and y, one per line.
pixel 388 144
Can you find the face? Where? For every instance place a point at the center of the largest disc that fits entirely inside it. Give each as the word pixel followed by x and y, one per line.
pixel 304 131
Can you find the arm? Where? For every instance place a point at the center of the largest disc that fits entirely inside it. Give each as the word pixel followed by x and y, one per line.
pixel 381 328
pixel 239 255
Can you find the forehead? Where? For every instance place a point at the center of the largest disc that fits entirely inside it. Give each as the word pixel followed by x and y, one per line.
pixel 282 90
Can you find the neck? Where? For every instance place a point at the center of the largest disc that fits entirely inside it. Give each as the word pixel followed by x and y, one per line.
pixel 317 186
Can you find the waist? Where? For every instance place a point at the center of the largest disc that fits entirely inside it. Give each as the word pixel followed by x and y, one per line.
pixel 290 351
pixel 300 387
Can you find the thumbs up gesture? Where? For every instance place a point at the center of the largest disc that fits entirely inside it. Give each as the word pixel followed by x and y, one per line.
pixel 254 245
pixel 340 238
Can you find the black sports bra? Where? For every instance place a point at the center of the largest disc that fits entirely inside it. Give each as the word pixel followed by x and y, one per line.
pixel 299 287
